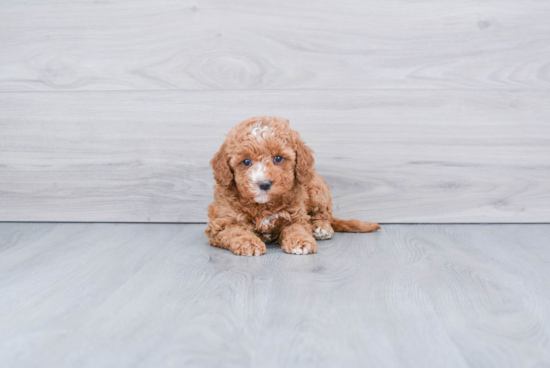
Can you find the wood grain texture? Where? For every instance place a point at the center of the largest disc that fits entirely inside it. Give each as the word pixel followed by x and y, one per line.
pixel 389 156
pixel 315 44
pixel 151 295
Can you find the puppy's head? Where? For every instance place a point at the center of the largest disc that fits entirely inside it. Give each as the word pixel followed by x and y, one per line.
pixel 263 158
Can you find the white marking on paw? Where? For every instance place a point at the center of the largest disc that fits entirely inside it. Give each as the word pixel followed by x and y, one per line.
pixel 297 251
pixel 321 234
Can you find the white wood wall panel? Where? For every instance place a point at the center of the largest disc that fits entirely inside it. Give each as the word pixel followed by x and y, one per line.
pixel 313 44
pixel 419 111
pixel 389 155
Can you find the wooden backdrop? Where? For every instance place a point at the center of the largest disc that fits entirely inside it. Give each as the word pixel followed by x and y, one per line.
pixel 424 111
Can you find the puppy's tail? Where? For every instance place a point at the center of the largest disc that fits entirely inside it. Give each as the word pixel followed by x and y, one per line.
pixel 353 226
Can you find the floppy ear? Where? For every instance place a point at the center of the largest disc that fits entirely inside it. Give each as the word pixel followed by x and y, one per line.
pixel 304 159
pixel 220 163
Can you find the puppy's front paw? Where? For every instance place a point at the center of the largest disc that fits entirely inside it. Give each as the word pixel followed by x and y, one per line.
pixel 248 246
pixel 300 244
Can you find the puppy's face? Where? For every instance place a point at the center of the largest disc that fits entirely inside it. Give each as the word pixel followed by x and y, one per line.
pixel 263 165
pixel 263 159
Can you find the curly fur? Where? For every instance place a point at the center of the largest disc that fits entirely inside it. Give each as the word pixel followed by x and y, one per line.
pixel 294 212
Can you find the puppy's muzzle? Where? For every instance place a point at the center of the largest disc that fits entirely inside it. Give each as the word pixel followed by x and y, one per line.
pixel 265 184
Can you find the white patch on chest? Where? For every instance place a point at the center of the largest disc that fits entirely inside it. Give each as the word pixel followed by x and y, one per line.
pixel 267 222
pixel 266 226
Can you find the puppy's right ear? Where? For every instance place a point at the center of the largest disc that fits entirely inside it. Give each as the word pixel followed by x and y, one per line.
pixel 220 163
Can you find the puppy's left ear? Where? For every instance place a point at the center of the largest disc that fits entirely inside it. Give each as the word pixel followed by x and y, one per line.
pixel 304 159
pixel 220 163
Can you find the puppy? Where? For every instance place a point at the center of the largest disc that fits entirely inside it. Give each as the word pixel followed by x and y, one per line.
pixel 268 191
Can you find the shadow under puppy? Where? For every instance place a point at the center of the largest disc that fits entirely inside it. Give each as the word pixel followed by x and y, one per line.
pixel 268 191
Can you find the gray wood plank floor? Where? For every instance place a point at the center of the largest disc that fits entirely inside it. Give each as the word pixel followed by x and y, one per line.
pixel 151 295
pixel 389 156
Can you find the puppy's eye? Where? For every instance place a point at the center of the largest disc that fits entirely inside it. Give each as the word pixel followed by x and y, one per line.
pixel 277 159
pixel 247 162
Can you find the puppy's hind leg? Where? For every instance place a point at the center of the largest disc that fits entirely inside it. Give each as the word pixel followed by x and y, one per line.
pixel 320 209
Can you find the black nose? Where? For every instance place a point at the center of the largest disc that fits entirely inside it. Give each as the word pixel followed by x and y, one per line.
pixel 265 184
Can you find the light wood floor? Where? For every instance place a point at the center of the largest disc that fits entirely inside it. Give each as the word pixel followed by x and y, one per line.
pixel 151 295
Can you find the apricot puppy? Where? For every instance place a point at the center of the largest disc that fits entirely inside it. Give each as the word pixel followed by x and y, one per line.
pixel 268 191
